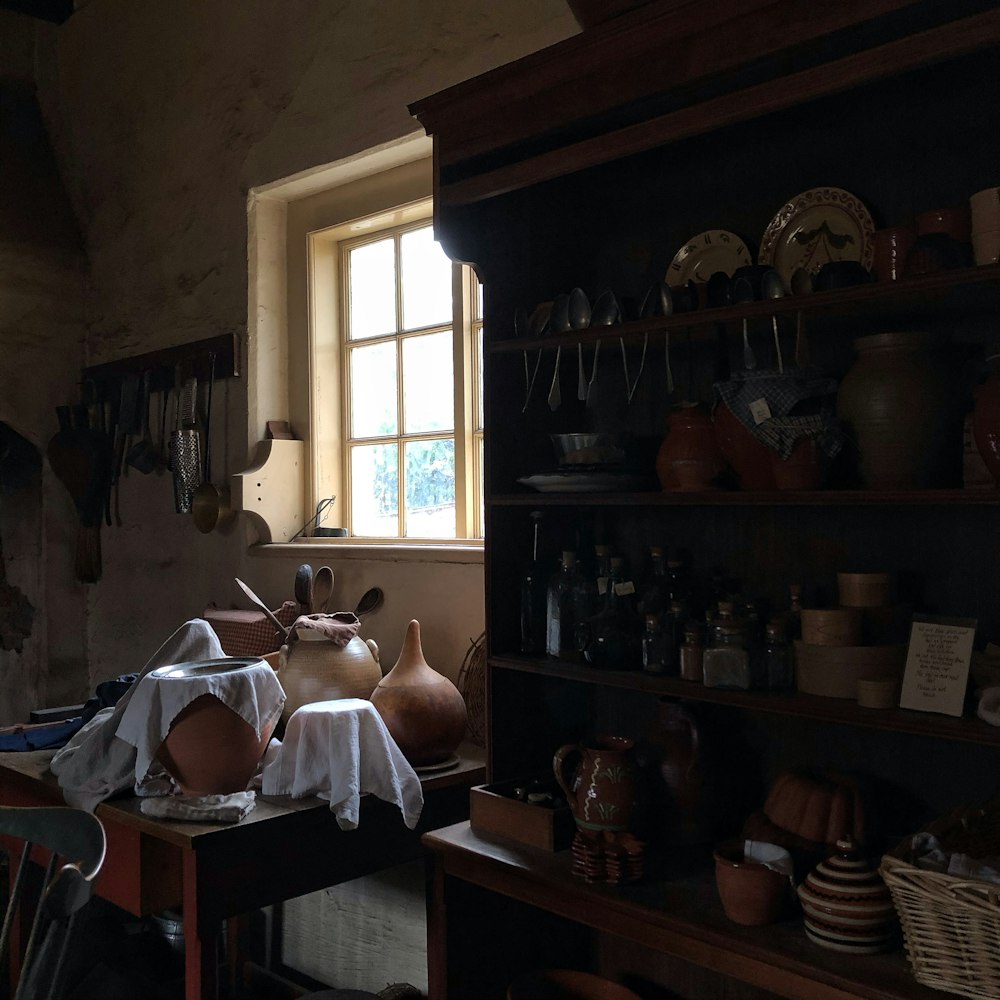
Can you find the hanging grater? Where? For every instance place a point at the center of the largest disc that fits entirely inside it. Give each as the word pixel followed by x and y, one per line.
pixel 186 448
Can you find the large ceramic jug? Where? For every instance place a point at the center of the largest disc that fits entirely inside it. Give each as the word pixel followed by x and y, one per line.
pixel 674 740
pixel 689 458
pixel 895 399
pixel 600 782
pixel 317 669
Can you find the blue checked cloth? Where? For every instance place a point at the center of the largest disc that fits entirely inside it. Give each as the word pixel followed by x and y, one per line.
pixel 783 392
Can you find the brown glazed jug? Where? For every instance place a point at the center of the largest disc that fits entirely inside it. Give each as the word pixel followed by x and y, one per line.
pixel 673 738
pixel 422 709
pixel 689 458
pixel 894 400
pixel 600 782
pixel 986 424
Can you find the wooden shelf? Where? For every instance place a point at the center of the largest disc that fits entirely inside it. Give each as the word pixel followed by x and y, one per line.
pixel 972 290
pixel 804 706
pixel 737 498
pixel 676 910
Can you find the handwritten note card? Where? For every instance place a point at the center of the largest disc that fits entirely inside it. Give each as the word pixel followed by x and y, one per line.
pixel 937 664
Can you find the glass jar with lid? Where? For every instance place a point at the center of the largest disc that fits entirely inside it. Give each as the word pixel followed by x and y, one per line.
pixel 726 662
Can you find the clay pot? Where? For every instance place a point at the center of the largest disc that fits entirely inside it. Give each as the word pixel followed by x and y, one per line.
pixel 689 458
pixel 749 458
pixel 599 781
pixel 320 670
pixel 422 709
pixel 804 469
pixel 210 750
pixel 846 904
pixel 752 894
pixel 896 401
pixel 986 424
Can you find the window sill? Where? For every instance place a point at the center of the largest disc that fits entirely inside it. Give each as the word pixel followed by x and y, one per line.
pixel 469 552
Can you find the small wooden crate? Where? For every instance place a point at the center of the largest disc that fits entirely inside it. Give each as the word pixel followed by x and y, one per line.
pixel 495 809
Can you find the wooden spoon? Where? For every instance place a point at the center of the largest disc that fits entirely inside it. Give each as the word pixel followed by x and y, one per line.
pixel 304 588
pixel 322 590
pixel 282 631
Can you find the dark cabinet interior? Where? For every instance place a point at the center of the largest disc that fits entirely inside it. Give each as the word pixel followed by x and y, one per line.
pixel 920 134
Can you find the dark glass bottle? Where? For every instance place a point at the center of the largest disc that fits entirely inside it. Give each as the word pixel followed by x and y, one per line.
pixel 534 583
pixel 655 594
pixel 778 660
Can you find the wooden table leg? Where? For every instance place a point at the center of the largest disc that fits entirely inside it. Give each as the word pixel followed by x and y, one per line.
pixel 201 942
pixel 437 932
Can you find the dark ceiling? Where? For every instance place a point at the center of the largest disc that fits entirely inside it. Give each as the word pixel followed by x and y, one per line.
pixel 47 10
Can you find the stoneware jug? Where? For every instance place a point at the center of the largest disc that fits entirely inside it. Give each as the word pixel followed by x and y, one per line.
pixel 689 458
pixel 319 670
pixel 599 780
pixel 422 709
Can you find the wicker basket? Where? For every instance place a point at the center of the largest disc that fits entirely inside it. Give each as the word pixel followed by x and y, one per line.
pixel 951 926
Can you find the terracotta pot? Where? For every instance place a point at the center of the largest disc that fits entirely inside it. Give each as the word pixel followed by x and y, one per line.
pixel 422 709
pixel 599 781
pixel 749 458
pixel 846 904
pixel 210 750
pixel 689 458
pixel 320 670
pixel 804 469
pixel 986 424
pixel 895 400
pixel 752 894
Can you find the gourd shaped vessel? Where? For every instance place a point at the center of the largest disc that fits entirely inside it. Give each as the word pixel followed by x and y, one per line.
pixel 422 709
pixel 600 782
pixel 846 904
pixel 317 669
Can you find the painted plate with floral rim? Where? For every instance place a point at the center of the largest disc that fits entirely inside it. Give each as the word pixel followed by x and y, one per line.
pixel 704 254
pixel 815 227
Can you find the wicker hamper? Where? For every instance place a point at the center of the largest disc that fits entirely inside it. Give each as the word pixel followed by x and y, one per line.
pixel 951 925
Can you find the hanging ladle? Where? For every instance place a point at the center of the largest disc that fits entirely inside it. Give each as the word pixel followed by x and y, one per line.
pixel 272 617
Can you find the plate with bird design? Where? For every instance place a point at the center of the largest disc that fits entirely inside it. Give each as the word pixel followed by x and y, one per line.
pixel 815 227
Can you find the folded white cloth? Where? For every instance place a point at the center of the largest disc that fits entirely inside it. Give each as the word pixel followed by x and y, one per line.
pixel 201 808
pixel 253 692
pixel 340 750
pixel 928 853
pixel 97 763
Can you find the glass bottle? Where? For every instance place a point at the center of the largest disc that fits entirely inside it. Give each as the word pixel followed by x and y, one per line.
pixel 679 583
pixel 654 647
pixel 726 661
pixel 534 584
pixel 692 654
pixel 612 637
pixel 598 585
pixel 656 589
pixel 778 660
pixel 673 628
pixel 794 617
pixel 566 599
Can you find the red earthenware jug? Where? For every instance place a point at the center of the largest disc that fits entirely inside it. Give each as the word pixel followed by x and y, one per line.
pixel 749 458
pixel 689 458
pixel 599 780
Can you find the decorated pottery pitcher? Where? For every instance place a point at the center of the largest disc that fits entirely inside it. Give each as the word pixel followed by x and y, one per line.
pixel 599 780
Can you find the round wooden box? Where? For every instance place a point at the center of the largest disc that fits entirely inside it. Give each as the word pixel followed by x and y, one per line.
pixel 834 671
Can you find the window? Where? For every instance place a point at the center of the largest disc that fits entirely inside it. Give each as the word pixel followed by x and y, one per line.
pixel 394 379
pixel 409 319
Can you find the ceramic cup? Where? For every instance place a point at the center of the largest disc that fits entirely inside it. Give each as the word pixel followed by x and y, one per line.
pixel 986 247
pixel 984 207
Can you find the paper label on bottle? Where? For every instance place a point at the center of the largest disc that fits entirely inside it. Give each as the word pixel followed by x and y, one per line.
pixel 624 588
pixel 760 411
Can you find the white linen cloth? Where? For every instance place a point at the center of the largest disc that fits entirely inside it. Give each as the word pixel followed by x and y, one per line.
pixel 97 763
pixel 928 853
pixel 204 808
pixel 340 750
pixel 253 692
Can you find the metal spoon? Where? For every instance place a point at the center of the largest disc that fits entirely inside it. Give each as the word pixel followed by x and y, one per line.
pixel 322 590
pixel 282 631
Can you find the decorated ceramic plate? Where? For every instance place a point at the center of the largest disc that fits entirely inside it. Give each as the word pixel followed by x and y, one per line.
pixel 706 253
pixel 815 227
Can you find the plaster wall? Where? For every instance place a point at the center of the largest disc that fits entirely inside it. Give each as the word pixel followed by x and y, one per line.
pixel 163 117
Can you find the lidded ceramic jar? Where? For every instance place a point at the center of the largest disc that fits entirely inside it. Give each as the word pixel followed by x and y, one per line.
pixel 895 399
pixel 846 904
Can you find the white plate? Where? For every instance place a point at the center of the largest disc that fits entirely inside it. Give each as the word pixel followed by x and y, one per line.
pixel 584 482
pixel 815 227
pixel 706 253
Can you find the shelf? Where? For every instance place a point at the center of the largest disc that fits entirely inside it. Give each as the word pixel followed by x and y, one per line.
pixel 737 498
pixel 837 710
pixel 976 290
pixel 676 910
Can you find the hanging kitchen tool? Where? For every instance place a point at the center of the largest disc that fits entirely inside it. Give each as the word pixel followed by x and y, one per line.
pixel 16 612
pixel 210 505
pixel 186 448
pixel 142 456
pixel 322 590
pixel 124 425
pixel 78 455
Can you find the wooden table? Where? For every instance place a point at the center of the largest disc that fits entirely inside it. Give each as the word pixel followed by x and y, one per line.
pixel 284 848
pixel 675 911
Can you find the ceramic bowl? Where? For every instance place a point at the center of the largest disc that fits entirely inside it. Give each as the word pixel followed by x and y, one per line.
pixel 752 894
pixel 585 448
